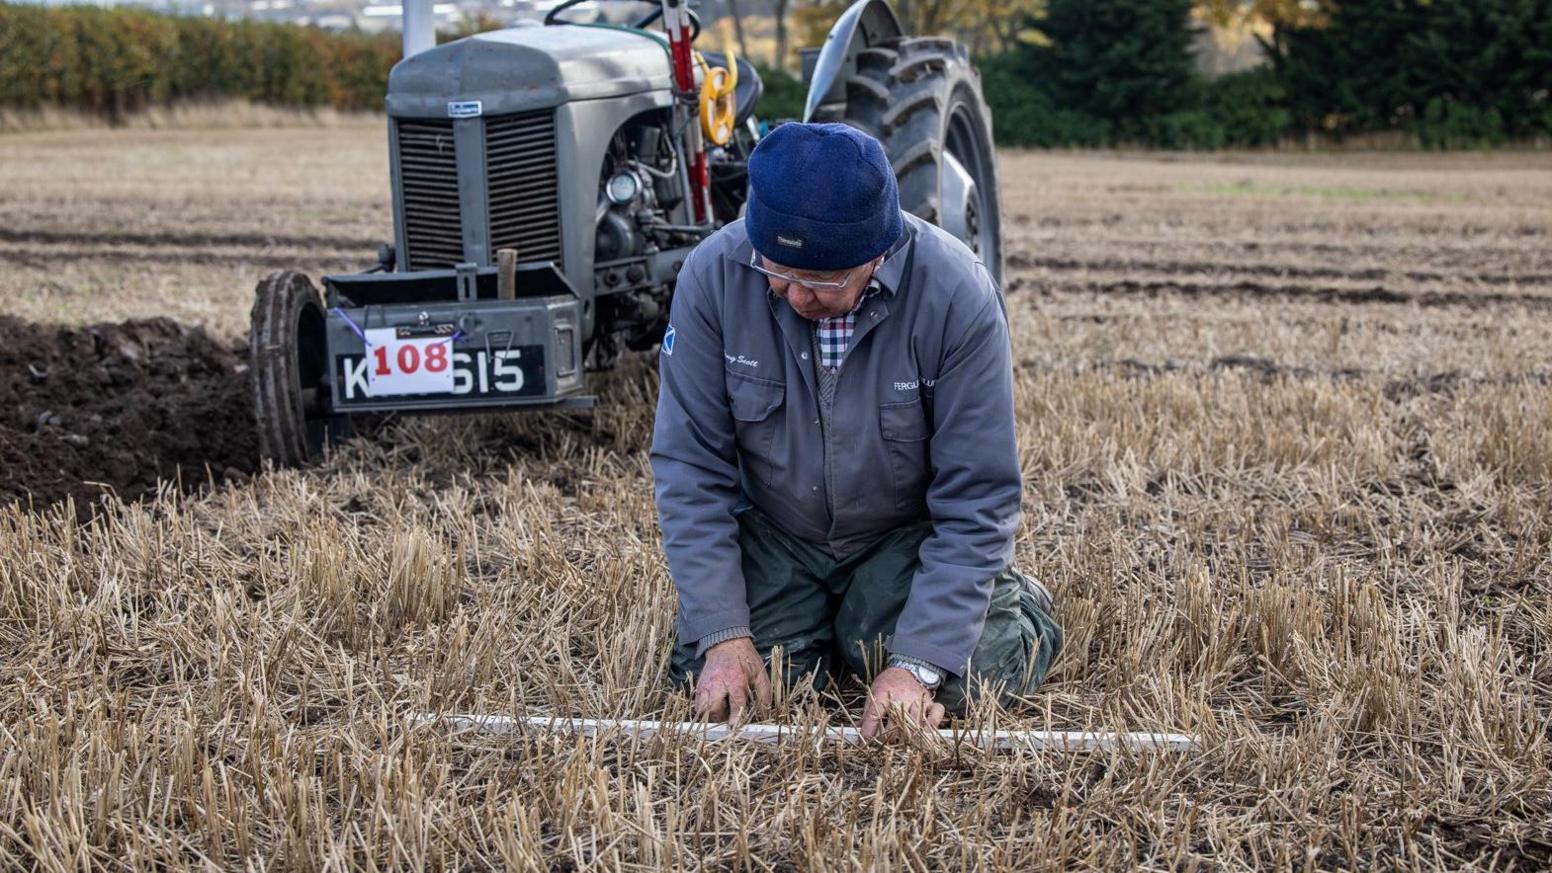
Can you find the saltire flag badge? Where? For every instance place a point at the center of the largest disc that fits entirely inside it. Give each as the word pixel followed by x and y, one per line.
pixel 668 340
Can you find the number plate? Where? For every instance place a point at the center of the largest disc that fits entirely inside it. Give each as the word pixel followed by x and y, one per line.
pixel 473 371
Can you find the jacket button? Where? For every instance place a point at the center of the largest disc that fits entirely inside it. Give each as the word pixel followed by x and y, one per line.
pixel 804 356
pixel 815 488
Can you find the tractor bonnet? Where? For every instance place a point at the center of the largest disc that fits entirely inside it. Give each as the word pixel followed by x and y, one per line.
pixel 524 68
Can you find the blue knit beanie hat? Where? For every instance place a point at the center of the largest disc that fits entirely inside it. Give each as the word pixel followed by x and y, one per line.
pixel 821 197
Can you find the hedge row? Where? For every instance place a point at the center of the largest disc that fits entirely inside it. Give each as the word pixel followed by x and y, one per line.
pixel 1232 111
pixel 1451 73
pixel 118 60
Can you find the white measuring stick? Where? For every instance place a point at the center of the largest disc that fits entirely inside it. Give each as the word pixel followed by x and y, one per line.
pixel 1067 741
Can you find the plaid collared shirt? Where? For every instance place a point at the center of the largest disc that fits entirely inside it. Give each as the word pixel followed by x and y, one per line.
pixel 834 334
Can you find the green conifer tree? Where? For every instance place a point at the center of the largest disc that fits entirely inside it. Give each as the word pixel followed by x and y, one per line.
pixel 1455 72
pixel 1124 63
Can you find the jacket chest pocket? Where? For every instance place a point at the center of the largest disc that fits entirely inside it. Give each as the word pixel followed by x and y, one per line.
pixel 754 403
pixel 905 430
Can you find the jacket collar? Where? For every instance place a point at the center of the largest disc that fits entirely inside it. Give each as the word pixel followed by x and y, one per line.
pixel 892 270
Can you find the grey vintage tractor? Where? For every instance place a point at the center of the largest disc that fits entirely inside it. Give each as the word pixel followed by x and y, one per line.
pixel 548 183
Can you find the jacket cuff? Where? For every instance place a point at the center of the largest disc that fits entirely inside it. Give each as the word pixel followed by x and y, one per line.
pixel 721 636
pixel 926 653
pixel 691 630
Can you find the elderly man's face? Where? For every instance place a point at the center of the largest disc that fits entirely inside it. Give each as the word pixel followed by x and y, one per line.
pixel 816 303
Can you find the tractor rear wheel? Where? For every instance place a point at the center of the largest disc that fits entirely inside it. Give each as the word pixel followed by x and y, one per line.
pixel 921 97
pixel 288 354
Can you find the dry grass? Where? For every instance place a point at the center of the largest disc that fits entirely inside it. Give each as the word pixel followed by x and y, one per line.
pixel 1283 423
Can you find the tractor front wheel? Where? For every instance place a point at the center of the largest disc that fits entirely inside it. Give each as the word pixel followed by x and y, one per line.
pixel 288 354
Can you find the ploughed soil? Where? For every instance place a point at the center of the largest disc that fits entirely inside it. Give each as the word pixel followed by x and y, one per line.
pixel 119 407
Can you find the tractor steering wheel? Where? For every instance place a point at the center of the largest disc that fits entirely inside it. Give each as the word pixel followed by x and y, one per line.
pixel 553 17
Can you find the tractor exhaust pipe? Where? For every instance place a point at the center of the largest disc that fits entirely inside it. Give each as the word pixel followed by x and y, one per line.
pixel 419 26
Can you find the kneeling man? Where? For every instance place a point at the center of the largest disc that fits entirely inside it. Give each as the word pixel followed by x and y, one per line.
pixel 834 454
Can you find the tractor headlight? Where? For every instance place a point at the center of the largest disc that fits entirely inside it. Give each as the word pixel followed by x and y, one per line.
pixel 622 188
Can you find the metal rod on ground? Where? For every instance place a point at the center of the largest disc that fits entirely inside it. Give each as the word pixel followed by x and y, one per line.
pixel 1067 741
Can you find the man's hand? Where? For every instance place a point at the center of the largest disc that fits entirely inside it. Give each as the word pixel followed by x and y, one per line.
pixel 897 701
pixel 731 668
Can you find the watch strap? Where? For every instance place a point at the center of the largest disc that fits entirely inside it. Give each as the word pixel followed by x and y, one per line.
pixel 928 674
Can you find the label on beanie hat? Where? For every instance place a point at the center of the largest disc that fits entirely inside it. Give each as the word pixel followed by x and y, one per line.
pixel 789 241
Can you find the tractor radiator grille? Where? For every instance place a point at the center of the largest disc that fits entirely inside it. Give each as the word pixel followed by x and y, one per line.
pixel 428 171
pixel 524 185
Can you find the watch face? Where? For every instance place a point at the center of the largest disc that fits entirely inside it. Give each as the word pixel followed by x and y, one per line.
pixel 931 677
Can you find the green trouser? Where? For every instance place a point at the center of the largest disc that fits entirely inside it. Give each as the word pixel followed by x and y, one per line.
pixel 825 613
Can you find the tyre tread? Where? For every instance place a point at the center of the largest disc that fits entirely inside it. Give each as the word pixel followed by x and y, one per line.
pixel 278 302
pixel 905 104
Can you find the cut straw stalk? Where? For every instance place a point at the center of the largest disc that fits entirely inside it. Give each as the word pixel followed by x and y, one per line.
pixel 1037 740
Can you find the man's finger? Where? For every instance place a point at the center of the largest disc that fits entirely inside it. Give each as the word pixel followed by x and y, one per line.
pixel 896 716
pixel 710 700
pixel 913 716
pixel 871 715
pixel 713 707
pixel 936 715
pixel 762 688
pixel 738 701
pixel 904 717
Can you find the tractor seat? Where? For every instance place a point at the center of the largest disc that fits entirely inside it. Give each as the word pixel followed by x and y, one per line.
pixel 749 88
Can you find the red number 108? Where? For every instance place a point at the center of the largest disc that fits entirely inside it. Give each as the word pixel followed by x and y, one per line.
pixel 409 359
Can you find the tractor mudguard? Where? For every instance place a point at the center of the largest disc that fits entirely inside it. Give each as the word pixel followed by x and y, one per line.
pixel 865 23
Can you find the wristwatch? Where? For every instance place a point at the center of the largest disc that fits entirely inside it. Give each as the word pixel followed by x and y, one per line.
pixel 929 676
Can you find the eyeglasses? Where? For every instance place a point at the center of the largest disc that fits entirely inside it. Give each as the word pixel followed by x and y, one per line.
pixel 810 284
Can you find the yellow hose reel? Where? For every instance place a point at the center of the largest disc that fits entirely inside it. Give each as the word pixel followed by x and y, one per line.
pixel 718 107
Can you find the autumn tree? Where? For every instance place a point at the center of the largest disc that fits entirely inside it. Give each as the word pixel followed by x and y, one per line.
pixel 986 26
pixel 1276 14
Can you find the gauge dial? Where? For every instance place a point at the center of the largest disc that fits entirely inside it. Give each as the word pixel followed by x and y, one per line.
pixel 623 188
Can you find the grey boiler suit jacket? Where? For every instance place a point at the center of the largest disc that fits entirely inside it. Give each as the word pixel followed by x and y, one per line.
pixel 922 428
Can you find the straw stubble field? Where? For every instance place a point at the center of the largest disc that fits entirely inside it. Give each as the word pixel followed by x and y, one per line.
pixel 1284 429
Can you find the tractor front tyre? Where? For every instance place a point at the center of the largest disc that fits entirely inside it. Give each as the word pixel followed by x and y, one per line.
pixel 288 360
pixel 921 98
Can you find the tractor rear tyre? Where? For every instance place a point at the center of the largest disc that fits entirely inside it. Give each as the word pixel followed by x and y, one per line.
pixel 921 97
pixel 288 354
